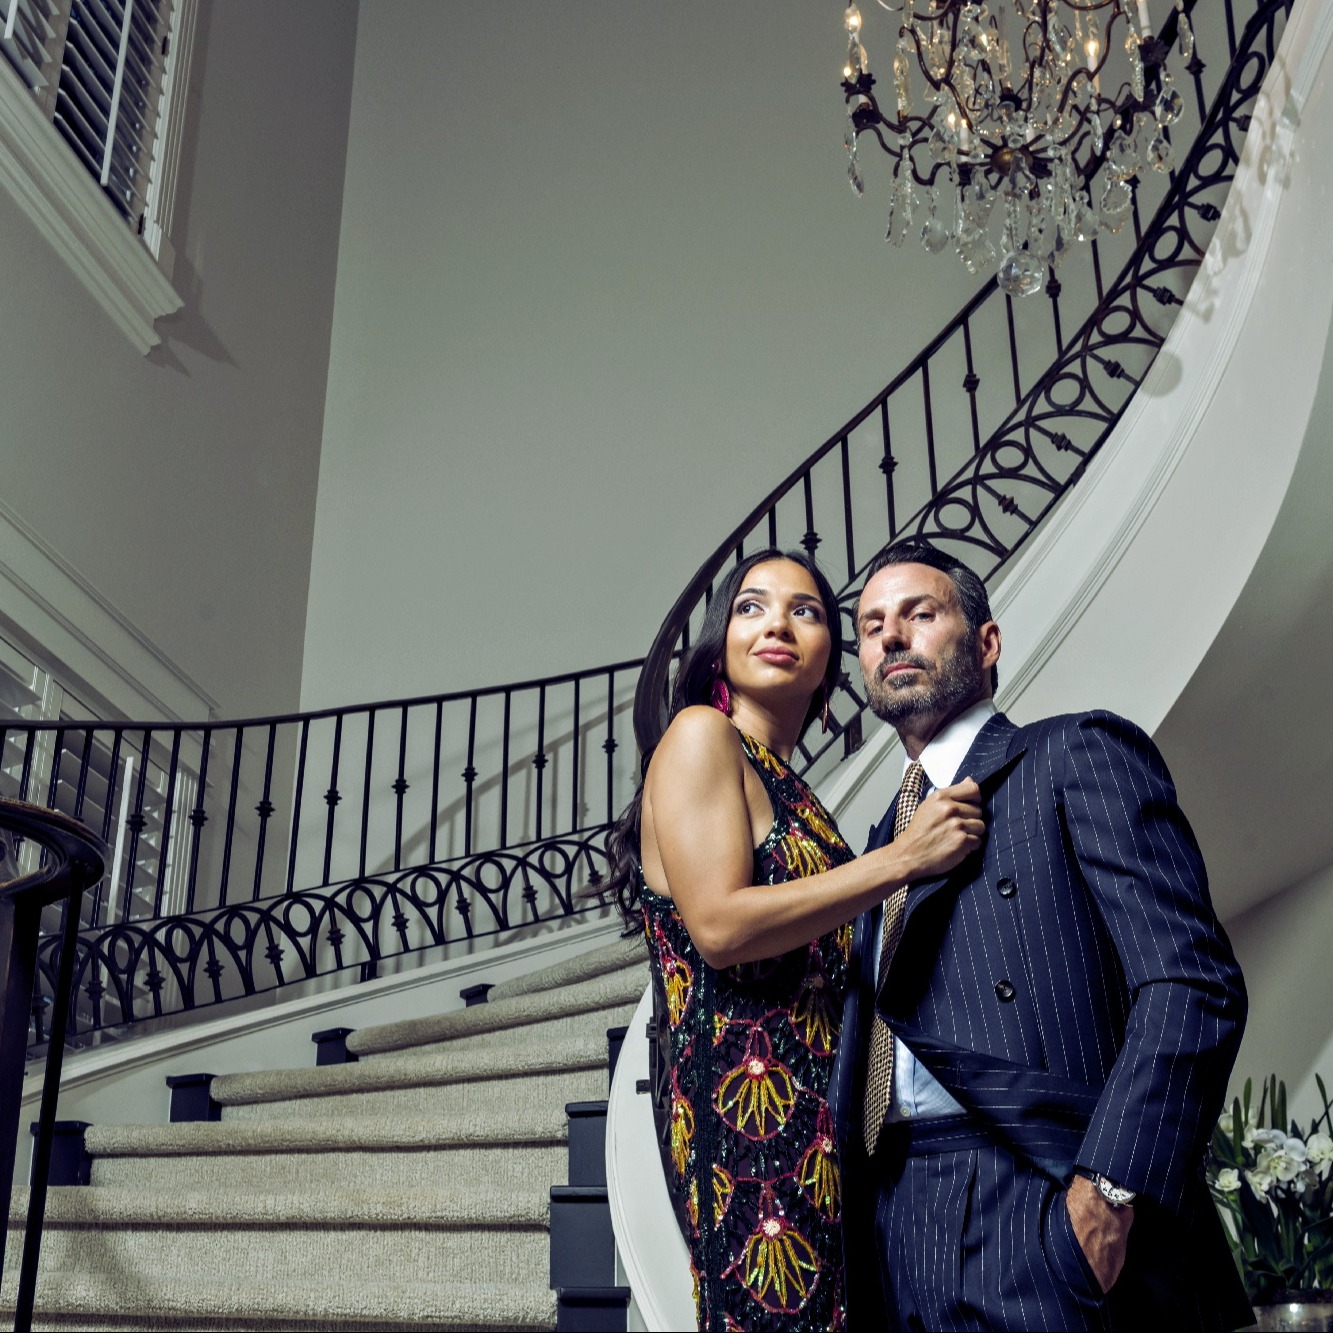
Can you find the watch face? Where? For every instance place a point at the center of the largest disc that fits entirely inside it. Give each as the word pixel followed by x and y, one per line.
pixel 1115 1194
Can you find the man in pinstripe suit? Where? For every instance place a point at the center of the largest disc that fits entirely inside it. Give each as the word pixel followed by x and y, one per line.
pixel 1023 1142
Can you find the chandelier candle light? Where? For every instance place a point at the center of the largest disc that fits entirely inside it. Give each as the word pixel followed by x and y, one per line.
pixel 1012 110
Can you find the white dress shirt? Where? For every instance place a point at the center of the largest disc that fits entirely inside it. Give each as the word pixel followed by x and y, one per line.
pixel 917 1093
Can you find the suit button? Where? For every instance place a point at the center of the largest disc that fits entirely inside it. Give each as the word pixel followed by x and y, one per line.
pixel 1006 886
pixel 1004 990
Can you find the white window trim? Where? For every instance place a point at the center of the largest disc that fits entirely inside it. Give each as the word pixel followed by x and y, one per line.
pixel 51 186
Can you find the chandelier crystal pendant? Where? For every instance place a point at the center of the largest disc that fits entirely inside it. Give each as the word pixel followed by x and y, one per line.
pixel 1010 110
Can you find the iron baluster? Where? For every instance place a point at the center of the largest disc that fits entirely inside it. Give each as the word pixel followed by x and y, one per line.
pixel 811 539
pixel 1013 350
pixel 887 463
pixel 294 840
pixel 164 848
pixel 971 382
pixel 1053 293
pixel 539 760
pixel 264 810
pixel 58 753
pixel 365 792
pixel 575 738
pixel 332 796
pixel 400 788
pixel 609 745
pixel 930 428
pixel 847 509
pixel 136 824
pixel 504 774
pixel 469 776
pixel 198 818
pixel 435 778
pixel 236 756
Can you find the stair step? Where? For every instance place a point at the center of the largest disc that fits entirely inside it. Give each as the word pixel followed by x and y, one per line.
pixel 470 1102
pixel 433 1069
pixel 91 1301
pixel 538 1125
pixel 627 951
pixel 394 1234
pixel 612 992
pixel 500 1169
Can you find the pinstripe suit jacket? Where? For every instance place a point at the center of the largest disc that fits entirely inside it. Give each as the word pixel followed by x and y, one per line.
pixel 1072 987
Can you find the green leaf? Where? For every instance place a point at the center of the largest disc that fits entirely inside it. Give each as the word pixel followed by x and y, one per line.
pixel 1249 1087
pixel 1237 1123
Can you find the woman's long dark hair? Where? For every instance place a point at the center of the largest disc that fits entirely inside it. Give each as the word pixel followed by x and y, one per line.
pixel 694 685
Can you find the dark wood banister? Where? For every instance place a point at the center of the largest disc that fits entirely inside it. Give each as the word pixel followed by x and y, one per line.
pixel 74 859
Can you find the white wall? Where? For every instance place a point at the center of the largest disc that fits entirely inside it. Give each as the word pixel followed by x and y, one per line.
pixel 601 284
pixel 1285 946
pixel 181 486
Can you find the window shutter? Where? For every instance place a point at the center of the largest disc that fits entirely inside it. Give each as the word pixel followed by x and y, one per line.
pixel 109 92
pixel 28 31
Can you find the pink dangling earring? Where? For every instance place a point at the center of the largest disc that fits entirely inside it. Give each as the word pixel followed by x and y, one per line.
pixel 721 696
pixel 824 715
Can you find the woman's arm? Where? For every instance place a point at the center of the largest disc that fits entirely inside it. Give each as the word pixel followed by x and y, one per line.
pixel 696 817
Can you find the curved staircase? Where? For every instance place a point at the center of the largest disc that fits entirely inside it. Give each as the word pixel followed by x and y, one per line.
pixel 409 1188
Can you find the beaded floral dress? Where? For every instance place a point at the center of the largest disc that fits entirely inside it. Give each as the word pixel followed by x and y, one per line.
pixel 753 1167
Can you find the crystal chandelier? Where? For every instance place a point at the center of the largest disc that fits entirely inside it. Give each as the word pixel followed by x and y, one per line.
pixel 1012 111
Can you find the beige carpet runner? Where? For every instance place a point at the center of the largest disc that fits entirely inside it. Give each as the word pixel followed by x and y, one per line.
pixel 407 1191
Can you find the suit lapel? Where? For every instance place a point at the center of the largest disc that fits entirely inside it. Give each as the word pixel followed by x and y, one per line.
pixel 997 748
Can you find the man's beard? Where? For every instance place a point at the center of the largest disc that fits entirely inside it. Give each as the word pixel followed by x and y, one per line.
pixel 952 683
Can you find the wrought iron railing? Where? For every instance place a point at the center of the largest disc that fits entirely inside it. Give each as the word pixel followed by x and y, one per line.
pixel 249 855
pixel 1007 441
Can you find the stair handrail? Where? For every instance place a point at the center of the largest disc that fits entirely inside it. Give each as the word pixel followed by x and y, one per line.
pixel 73 858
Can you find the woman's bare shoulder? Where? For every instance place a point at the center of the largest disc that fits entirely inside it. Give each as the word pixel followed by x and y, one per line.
pixel 698 737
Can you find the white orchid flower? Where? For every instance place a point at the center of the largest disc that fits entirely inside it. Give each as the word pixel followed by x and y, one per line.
pixel 1287 1159
pixel 1228 1180
pixel 1319 1150
pixel 1259 1181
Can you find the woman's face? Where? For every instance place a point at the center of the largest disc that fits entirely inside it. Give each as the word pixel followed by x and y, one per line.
pixel 778 638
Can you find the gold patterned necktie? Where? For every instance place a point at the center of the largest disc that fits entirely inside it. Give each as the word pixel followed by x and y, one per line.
pixel 879 1065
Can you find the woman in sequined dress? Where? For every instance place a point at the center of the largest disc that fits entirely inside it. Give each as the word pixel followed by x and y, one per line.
pixel 746 893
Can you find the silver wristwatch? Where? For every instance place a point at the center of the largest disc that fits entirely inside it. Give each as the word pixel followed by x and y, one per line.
pixel 1116 1195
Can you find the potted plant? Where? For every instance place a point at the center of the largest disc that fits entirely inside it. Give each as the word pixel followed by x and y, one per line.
pixel 1273 1185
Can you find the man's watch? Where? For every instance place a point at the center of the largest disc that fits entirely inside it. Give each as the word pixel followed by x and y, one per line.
pixel 1116 1195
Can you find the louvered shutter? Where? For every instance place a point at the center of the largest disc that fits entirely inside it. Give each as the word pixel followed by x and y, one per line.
pixel 110 87
pixel 28 32
pixel 98 69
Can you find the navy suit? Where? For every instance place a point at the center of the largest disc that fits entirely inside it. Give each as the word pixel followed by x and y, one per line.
pixel 1071 986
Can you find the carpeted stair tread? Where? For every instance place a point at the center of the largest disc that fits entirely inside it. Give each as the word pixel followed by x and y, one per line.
pixel 610 990
pixel 518 1125
pixel 452 1207
pixel 475 1099
pixel 82 1300
pixel 630 951
pixel 397 1071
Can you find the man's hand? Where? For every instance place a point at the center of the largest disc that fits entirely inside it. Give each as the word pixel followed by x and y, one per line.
pixel 947 826
pixel 1102 1230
